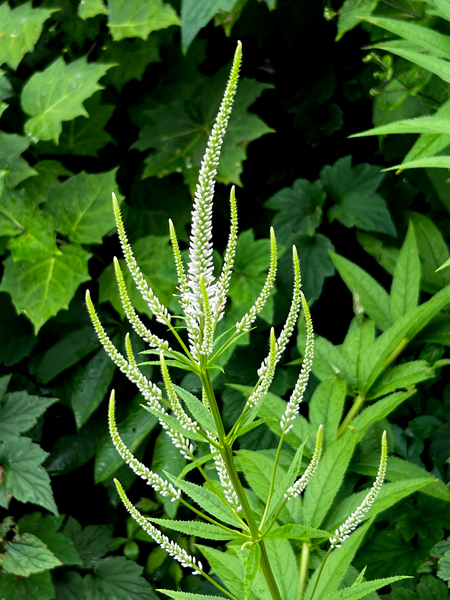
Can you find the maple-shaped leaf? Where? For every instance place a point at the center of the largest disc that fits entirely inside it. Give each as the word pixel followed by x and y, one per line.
pixel 20 30
pixel 117 577
pixel 38 586
pixel 11 147
pixel 19 411
pixel 27 554
pixel 57 94
pixel 81 206
pixel 91 543
pixel 195 14
pixel 23 476
pixel 41 289
pixel 91 8
pixel 48 173
pixel 354 191
pixel 138 18
pixel 83 136
pixel 5 91
pixel 31 230
pixel 178 131
pixel 131 57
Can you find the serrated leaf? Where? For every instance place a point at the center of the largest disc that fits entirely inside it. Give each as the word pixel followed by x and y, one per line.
pixel 19 412
pixel 31 230
pixel 433 252
pixel 294 531
pixel 200 413
pixel 57 94
pixel 251 569
pixel 406 282
pixel 11 147
pixel 372 296
pixel 21 29
pixel 284 566
pixel 138 18
pixel 43 288
pixel 434 124
pixel 23 476
pixel 359 339
pixel 429 144
pixel 434 162
pixel 91 8
pixel 166 457
pixel 444 567
pixel 70 587
pixel 405 376
pixel 38 586
pixel 378 411
pixel 117 577
pixel 364 588
pixel 207 531
pixel 195 14
pixel 27 554
pixel 354 191
pixel 188 595
pixel 91 542
pixel 351 12
pixel 329 360
pixel 131 57
pixel 435 65
pixel 326 407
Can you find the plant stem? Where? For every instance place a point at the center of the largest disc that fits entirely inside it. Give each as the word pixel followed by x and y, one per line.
pixel 272 482
pixel 356 407
pixel 304 559
pixel 320 572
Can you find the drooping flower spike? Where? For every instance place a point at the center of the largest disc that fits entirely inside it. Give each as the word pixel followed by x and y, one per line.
pixel 297 488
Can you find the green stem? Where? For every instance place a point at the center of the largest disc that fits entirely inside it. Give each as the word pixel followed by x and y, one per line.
pixel 304 559
pixel 218 586
pixel 320 572
pixel 272 483
pixel 356 407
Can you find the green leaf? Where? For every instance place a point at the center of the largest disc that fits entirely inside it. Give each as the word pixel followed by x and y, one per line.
pixel 373 298
pixel 429 144
pixel 405 376
pixel 27 554
pixel 329 361
pixel 299 210
pixel 378 411
pixel 131 58
pixel 354 191
pixel 444 567
pixel 45 527
pixel 251 569
pixel 364 588
pixel 294 531
pixel 57 94
pixel 433 252
pixel 19 412
pixel 91 543
pixel 434 162
pixel 11 147
pixel 81 206
pixel 258 469
pixel 188 595
pixel 328 478
pixel 23 477
pixel 42 289
pixel 16 337
pixel 38 586
pixel 133 430
pixel 195 14
pixel 406 282
pixel 351 12
pixel 197 409
pixel 207 531
pixel 91 8
pixel 34 236
pixel 70 586
pixel 90 386
pixel 21 29
pixel 166 457
pixel 117 577
pixel 438 66
pixel 284 566
pixel 326 407
pixel 47 172
pixel 138 18
pixel 386 256
pixel 433 124
pixel 359 339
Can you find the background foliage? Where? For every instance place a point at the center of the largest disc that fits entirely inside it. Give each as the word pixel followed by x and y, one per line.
pixel 119 96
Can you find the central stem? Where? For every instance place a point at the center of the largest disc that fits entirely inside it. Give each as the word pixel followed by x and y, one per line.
pixel 304 559
pixel 227 455
pixel 356 407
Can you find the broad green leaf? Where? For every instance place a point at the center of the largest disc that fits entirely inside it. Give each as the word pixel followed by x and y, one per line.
pixel 337 565
pixel 11 147
pixel 441 8
pixel 133 430
pixel 27 554
pixel 433 252
pixel 57 94
pixel 386 256
pixel 166 457
pixel 47 173
pixel 405 376
pixel 195 14
pixel 24 478
pixel 38 586
pixel 359 339
pixel 153 254
pixel 329 360
pixel 5 91
pixel 326 407
pixel 195 406
pixel 91 542
pixel 251 569
pixel 406 282
pixel 373 298
pixel 138 18
pixel 81 206
pixel 295 531
pixel 328 478
pixel 21 29
pixel 131 58
pixel 206 500
pixel 45 527
pixel 70 586
pixel 378 411
pixel 68 351
pixel 401 470
pixel 353 189
pixel 188 595
pixel 207 531
pixel 437 66
pixel 430 587
pixel 363 588
pixel 19 412
pixel 444 567
pixel 351 12
pixel 429 144
pixel 423 37
pixel 90 386
pixel 118 578
pixel 91 8
pixel 43 288
pixel 299 210
pixel 284 566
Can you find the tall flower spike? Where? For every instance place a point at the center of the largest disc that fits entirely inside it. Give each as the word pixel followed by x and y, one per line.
pixel 302 482
pixel 149 390
pixel 178 410
pixel 181 274
pixel 287 420
pixel 200 245
pixel 172 548
pixel 246 322
pixel 139 327
pixel 158 309
pixel 225 481
pixel 292 317
pixel 343 532
pixel 223 283
pixel 263 386
pixel 153 479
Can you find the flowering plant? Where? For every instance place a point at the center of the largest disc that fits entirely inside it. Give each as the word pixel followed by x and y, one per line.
pixel 259 525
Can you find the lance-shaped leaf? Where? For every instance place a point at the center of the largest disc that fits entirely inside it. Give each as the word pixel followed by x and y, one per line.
pixel 406 282
pixel 57 94
pixel 195 14
pixel 207 531
pixel 138 18
pixel 251 569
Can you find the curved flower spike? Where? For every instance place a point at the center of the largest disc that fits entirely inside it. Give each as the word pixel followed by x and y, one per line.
pixel 262 387
pixel 302 482
pixel 343 532
pixel 178 410
pixel 223 283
